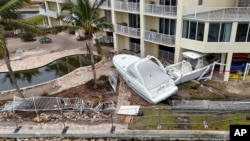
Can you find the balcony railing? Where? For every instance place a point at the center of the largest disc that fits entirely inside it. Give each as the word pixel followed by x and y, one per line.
pixel 127 6
pixel 106 39
pixel 134 47
pixel 166 56
pixel 106 4
pixel 217 13
pixel 168 40
pixel 42 11
pixel 49 13
pixel 62 1
pixel 130 31
pixel 160 9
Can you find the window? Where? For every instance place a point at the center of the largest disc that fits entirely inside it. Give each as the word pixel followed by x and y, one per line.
pixel 185 29
pixel 168 2
pixel 200 2
pixel 193 30
pixel 167 26
pixel 213 33
pixel 135 45
pixel 219 32
pixel 134 20
pixel 242 34
pixel 108 15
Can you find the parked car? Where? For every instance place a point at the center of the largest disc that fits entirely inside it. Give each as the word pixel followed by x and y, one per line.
pixel 45 40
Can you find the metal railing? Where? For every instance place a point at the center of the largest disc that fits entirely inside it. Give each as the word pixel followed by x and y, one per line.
pixel 106 39
pixel 217 13
pixel 42 11
pixel 63 1
pixel 106 4
pixel 130 31
pixel 127 6
pixel 166 56
pixel 134 47
pixel 159 38
pixel 156 9
pixel 49 13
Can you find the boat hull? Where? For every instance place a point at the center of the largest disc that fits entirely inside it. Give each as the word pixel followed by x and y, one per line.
pixel 136 86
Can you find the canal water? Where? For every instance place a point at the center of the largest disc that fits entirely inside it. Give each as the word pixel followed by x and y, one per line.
pixel 45 73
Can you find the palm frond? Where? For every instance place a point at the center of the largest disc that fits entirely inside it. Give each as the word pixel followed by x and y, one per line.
pixel 3 43
pixel 8 8
pixel 22 25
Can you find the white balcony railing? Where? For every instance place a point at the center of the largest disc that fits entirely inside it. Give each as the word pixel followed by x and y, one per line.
pixel 42 11
pixel 63 1
pixel 106 4
pixel 52 14
pixel 166 56
pixel 217 13
pixel 130 31
pixel 134 47
pixel 156 9
pixel 165 39
pixel 106 39
pixel 127 6
pixel 49 13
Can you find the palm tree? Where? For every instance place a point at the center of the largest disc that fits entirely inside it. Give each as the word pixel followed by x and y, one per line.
pixel 11 18
pixel 85 17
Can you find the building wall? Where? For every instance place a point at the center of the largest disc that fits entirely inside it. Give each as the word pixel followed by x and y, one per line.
pixel 151 21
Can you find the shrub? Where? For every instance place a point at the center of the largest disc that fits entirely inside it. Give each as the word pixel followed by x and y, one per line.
pixel 27 37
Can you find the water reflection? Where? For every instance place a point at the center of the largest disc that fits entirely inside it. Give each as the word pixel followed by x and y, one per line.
pixel 48 72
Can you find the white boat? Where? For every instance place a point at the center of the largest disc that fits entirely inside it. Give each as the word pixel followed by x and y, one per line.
pixel 146 76
pixel 192 67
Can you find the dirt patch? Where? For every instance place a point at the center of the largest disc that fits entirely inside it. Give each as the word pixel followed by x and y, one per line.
pixel 100 92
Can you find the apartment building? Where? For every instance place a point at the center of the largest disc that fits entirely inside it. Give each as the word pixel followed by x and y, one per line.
pixel 166 28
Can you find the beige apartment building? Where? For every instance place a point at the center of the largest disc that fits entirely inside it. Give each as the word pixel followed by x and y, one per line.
pixel 166 28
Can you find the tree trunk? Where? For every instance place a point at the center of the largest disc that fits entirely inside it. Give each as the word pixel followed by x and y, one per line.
pixel 89 48
pixel 11 73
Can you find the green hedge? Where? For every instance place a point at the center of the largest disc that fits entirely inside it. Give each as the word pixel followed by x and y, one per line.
pixel 27 37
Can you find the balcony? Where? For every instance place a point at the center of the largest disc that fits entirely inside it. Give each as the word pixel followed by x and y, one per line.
pixel 106 4
pixel 106 39
pixel 135 47
pixel 127 6
pixel 49 13
pixel 63 1
pixel 42 11
pixel 217 13
pixel 129 31
pixel 161 10
pixel 160 38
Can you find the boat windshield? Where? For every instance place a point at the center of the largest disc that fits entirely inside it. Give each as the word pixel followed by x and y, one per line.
pixel 152 75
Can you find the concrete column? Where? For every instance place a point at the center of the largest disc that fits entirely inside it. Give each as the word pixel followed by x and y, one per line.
pixel 228 66
pixel 49 19
pixel 233 32
pixel 222 60
pixel 178 35
pixel 115 38
pixel 142 27
pixel 206 32
pixel 59 11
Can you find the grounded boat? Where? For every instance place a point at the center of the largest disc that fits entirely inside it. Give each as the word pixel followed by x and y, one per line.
pixel 192 67
pixel 146 76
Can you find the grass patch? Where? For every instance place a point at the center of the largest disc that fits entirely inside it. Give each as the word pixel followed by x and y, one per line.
pixel 168 121
pixel 215 84
pixel 38 19
pixel 210 96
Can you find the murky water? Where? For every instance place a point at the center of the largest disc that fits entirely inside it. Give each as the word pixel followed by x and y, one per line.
pixel 45 73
